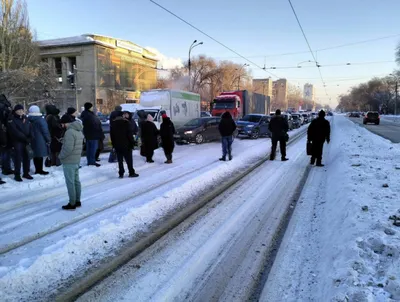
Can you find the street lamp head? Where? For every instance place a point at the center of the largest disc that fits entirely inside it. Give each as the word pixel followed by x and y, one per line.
pixel 195 41
pixel 201 43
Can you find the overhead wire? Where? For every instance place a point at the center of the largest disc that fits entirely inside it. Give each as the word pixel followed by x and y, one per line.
pixel 212 38
pixel 308 44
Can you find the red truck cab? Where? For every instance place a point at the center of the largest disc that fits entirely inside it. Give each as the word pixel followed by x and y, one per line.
pixel 231 101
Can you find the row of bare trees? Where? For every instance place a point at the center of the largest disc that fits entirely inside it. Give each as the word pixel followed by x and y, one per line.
pixel 378 94
pixel 22 74
pixel 208 77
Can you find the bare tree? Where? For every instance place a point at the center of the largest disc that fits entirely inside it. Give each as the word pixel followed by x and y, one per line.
pixel 294 96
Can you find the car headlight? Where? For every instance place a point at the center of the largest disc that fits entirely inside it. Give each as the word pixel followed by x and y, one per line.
pixel 188 132
pixel 250 126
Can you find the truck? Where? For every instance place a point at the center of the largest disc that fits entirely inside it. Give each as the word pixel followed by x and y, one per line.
pixel 180 106
pixel 239 103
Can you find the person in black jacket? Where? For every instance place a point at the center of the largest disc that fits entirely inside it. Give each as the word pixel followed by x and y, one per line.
pixel 70 116
pixel 149 133
pixel 93 132
pixel 279 127
pixel 123 142
pixel 318 132
pixel 56 133
pixel 226 128
pixel 3 143
pixel 167 131
pixel 6 154
pixel 21 135
pixel 115 113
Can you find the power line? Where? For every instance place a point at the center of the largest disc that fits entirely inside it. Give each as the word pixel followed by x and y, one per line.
pixel 317 50
pixel 332 65
pixel 215 40
pixel 309 47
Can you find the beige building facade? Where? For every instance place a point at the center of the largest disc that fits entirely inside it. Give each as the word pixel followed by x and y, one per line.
pixel 279 95
pixel 98 69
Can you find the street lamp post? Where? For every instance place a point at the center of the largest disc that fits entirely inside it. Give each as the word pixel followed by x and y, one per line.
pixel 189 63
pixel 240 70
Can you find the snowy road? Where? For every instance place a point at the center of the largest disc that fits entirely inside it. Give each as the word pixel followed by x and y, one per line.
pixel 386 129
pixel 219 252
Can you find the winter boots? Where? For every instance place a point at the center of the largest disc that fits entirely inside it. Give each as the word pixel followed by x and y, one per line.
pixel 223 158
pixel 168 161
pixel 2 182
pixel 69 207
pixel 312 162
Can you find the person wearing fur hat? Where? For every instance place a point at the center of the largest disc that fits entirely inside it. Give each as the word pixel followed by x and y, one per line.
pixel 93 132
pixel 20 131
pixel 149 133
pixel 41 138
pixel 167 131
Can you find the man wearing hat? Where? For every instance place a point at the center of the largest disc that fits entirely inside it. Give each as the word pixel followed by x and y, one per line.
pixel 318 132
pixel 21 135
pixel 70 116
pixel 93 132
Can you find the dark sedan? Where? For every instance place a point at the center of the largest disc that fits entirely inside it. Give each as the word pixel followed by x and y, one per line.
pixel 253 125
pixel 199 130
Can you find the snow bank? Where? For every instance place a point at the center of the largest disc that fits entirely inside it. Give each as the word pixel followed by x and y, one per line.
pixel 341 244
pixel 72 256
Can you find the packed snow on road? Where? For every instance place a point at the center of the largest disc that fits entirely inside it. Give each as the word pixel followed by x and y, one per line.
pixel 341 243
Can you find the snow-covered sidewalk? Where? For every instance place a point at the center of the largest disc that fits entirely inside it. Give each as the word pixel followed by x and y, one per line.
pixel 340 244
pixel 44 247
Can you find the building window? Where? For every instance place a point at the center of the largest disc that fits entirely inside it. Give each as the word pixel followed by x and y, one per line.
pixel 99 101
pixel 71 64
pixel 58 66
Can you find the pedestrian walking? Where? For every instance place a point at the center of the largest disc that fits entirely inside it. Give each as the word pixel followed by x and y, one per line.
pixel 318 132
pixel 56 133
pixel 123 143
pixel 226 127
pixel 70 157
pixel 167 131
pixel 20 132
pixel 41 139
pixel 279 127
pixel 149 133
pixel 93 132
pixel 6 150
pixel 70 116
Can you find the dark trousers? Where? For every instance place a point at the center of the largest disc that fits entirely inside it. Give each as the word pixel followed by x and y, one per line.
pixel 226 145
pixel 149 154
pixel 21 158
pixel 168 155
pixel 38 162
pixel 55 161
pixel 282 145
pixel 6 160
pixel 317 149
pixel 127 155
pixel 99 149
pixel 91 148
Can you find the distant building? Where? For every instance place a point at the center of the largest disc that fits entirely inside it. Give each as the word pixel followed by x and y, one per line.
pixel 263 86
pixel 309 95
pixel 108 71
pixel 279 95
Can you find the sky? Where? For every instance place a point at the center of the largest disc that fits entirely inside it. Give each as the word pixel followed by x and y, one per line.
pixel 262 31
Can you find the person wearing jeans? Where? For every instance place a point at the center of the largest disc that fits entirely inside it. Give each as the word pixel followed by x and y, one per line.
pixel 93 132
pixel 70 157
pixel 227 127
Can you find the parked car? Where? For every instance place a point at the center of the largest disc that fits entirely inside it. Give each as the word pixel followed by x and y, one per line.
pixel 254 125
pixel 330 113
pixel 354 114
pixel 371 117
pixel 205 114
pixel 199 130
pixel 289 119
pixel 307 118
pixel 297 122
pixel 314 115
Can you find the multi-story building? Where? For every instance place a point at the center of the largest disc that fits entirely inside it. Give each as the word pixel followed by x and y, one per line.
pixel 279 95
pixel 98 69
pixel 263 86
pixel 309 95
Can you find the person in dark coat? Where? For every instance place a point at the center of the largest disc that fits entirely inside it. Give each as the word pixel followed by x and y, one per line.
pixel 41 139
pixel 70 116
pixel 20 131
pixel 318 132
pixel 115 113
pixel 6 151
pixel 93 132
pixel 167 131
pixel 149 135
pixel 279 127
pixel 226 128
pixel 123 142
pixel 56 133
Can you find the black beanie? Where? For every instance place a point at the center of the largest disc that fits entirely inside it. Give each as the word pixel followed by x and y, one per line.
pixel 88 106
pixel 18 107
pixel 71 110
